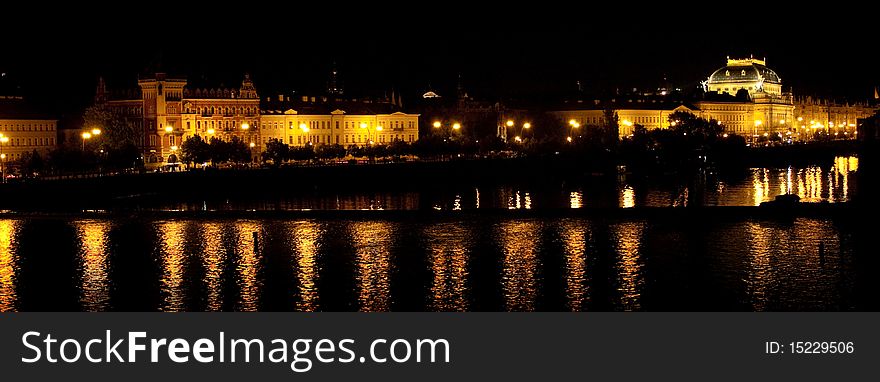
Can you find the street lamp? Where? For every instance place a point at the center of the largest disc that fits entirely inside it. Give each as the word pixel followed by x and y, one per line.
pixel 210 131
pixel 3 139
pixel 85 136
pixel 245 126
pixel 456 126
pixel 96 132
pixel 437 124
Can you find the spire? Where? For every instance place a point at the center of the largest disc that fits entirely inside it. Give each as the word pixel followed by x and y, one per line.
pixel 400 101
pixel 876 94
pixel 247 89
pixel 333 87
pixel 101 91
pixel 460 88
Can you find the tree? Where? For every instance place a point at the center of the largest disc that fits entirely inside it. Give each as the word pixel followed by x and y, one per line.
pixel 610 128
pixel 276 151
pixel 218 150
pixel 116 132
pixel 239 151
pixel 194 150
pixel 31 163
pixel 306 152
pixel 330 151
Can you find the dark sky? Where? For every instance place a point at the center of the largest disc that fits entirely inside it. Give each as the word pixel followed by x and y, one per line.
pixel 525 52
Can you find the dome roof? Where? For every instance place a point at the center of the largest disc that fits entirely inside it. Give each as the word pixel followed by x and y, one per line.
pixel 747 70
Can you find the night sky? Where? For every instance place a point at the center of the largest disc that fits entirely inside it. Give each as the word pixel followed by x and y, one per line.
pixel 520 53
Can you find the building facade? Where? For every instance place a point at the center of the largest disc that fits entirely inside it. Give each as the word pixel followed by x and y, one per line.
pixel 338 128
pixel 167 112
pixel 23 130
pixel 744 96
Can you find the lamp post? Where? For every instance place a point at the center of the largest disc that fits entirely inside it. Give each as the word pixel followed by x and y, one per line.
pixel 85 136
pixel 3 140
pixel 572 125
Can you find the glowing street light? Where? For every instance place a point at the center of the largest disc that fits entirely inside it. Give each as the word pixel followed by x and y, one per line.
pixel 568 139
pixel 456 126
pixel 437 124
pixel 173 148
pixel 96 132
pixel 363 125
pixel 3 139
pixel 211 131
pixel 252 145
pixel 379 128
pixel 168 129
pixel 245 126
pixel 517 138
pixel 572 122
pixel 527 125
pixel 509 123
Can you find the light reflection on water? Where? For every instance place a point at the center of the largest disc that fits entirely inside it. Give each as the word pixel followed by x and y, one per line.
pixel 247 265
pixel 94 264
pixel 574 238
pixel 8 261
pixel 213 258
pixel 371 241
pixel 172 261
pixel 493 263
pixel 519 241
pixel 627 238
pixel 448 250
pixel 814 183
pixel 306 238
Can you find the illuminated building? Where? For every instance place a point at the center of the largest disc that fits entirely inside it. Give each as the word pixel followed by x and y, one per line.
pixel 166 111
pixel 24 129
pixel 320 121
pixel 744 96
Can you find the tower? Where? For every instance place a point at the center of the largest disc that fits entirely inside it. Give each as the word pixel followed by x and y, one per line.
pixel 333 86
pixel 247 89
pixel 161 97
pixel 101 92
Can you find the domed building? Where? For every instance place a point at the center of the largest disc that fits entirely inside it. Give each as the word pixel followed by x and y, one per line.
pixel 750 74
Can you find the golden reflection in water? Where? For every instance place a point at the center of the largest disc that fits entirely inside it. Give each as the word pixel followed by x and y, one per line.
pixel 573 234
pixel 761 184
pixel 627 197
pixel 247 265
pixel 447 244
pixel 372 241
pixel 8 265
pixel 519 268
pixel 307 246
pixel 576 199
pixel 213 260
pixel 173 263
pixel 628 241
pixel 760 272
pixel 93 265
pixel 842 167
